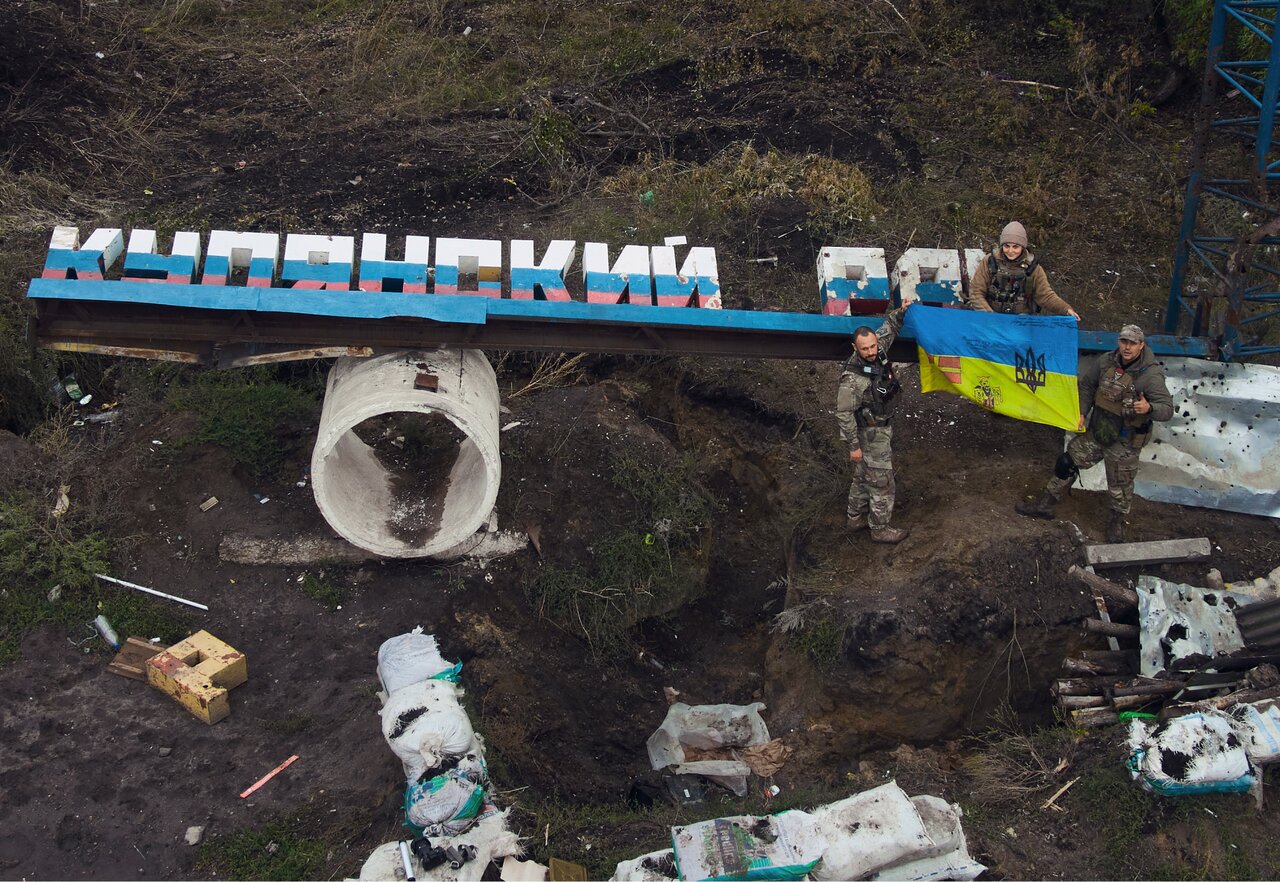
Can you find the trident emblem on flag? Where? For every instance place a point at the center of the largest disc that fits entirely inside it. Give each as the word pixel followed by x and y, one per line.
pixel 1029 369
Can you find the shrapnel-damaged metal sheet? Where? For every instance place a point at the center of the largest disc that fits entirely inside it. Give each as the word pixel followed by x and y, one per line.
pixel 1222 447
pixel 1178 622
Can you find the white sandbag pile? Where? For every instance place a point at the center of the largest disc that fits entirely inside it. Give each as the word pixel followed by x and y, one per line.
pixel 879 834
pixel 446 794
pixel 708 727
pixel 1211 751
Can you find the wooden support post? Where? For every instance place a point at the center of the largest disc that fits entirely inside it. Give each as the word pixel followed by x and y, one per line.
pixel 1094 717
pixel 1112 591
pixel 1141 553
pixel 1077 702
pixel 1110 629
pixel 1086 667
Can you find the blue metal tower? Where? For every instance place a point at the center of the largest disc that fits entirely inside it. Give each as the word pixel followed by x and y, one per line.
pixel 1226 271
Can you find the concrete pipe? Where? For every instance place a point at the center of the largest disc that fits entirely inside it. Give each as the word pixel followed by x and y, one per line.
pixel 406 462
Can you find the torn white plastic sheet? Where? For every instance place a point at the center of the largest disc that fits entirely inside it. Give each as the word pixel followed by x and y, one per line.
pixel 1178 621
pixel 1222 447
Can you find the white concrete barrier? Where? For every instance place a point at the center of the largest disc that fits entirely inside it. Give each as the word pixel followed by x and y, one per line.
pixel 361 498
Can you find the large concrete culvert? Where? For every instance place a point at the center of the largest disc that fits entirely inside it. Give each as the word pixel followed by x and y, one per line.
pixel 406 462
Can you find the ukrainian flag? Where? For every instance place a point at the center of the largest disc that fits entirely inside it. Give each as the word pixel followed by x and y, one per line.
pixel 1022 366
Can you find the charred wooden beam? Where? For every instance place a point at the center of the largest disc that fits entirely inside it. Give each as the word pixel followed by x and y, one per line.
pixel 1117 593
pixel 1110 629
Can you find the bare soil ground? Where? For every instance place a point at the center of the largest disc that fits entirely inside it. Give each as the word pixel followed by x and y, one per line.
pixel 297 117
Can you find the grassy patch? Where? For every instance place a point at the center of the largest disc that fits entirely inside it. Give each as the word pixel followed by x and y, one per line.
pixel 246 412
pixel 290 724
pixel 43 557
pixel 633 571
pixel 284 848
pixel 321 588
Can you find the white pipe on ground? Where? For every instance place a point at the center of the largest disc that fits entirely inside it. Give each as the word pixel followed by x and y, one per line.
pixel 354 489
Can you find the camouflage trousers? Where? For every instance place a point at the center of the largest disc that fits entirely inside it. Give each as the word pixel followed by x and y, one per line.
pixel 1121 462
pixel 872 490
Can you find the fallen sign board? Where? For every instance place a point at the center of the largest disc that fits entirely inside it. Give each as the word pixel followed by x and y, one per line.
pixel 1161 551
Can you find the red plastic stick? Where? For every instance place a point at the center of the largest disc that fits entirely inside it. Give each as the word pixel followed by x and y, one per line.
pixel 269 775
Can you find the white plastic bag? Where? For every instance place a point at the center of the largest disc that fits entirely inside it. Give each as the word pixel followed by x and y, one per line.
pixel 870 831
pixel 656 866
pixel 424 725
pixel 706 727
pixel 409 658
pixel 729 773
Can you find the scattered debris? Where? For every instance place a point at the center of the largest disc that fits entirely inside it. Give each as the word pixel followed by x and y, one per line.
pixel 766 759
pixel 567 871
pixel 131 662
pixel 510 426
pixel 269 775
pixel 1052 801
pixel 194 835
pixel 209 503
pixel 147 590
pixel 671 694
pixel 535 537
pixel 63 502
pixel 55 593
pixel 516 870
pixel 108 633
pixel 165 751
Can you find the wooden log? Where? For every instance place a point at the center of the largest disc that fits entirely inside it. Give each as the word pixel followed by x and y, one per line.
pixel 1126 702
pixel 1121 656
pixel 1086 668
pixel 1141 553
pixel 1110 629
pixel 1094 717
pixel 1076 702
pixel 1149 687
pixel 1110 590
pixel 1083 685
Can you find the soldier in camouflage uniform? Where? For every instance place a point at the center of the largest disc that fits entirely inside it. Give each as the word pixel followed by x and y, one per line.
pixel 1126 390
pixel 1011 280
pixel 864 409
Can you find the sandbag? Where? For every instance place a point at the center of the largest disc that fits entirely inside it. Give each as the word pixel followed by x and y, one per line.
pixel 727 773
pixel 783 846
pixel 656 866
pixel 1260 726
pixel 448 797
pixel 949 856
pixel 1195 753
pixel 425 726
pixel 870 831
pixel 411 658
pixel 489 836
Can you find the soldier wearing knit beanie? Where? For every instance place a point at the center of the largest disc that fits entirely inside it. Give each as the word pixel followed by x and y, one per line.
pixel 1011 280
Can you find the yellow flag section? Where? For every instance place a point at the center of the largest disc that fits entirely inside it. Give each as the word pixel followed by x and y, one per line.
pixel 1022 366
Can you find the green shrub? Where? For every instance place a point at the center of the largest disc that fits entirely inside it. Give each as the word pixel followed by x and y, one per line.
pixel 246 412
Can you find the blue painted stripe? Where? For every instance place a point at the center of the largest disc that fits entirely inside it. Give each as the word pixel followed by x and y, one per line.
pixel 464 309
pixel 301 270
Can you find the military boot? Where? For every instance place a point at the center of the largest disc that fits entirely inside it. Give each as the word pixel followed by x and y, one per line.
pixel 857 522
pixel 1040 508
pixel 888 535
pixel 1115 528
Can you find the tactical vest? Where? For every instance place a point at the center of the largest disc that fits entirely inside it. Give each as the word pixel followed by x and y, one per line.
pixel 1009 283
pixel 1115 392
pixel 876 407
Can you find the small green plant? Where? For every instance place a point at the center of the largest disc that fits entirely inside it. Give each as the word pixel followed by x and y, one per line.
pixel 822 640
pixel 47 568
pixel 285 848
pixel 246 413
pixel 322 589
pixel 290 724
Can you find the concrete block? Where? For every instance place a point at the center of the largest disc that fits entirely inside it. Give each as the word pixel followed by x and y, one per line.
pixel 481 258
pixel 230 250
pixel 695 283
pixel 408 276
pixel 68 259
pixel 318 262
pixel 929 275
pixel 547 276
pixel 1139 553
pixel 197 673
pixel 853 281
pixel 629 275
pixel 143 264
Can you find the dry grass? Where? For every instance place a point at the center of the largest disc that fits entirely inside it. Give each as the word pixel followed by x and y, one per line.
pixel 1011 763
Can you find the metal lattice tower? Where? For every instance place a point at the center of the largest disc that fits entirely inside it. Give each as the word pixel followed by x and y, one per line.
pixel 1226 271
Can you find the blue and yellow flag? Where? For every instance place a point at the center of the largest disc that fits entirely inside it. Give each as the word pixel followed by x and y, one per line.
pixel 1022 366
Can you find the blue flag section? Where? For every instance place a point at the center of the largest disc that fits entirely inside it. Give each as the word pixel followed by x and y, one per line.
pixel 1022 366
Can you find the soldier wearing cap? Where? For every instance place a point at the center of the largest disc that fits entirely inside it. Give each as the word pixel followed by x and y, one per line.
pixel 1011 279
pixel 864 410
pixel 1122 394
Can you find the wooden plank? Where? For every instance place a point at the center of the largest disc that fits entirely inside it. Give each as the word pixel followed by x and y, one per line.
pixel 1100 603
pixel 131 660
pixel 1140 553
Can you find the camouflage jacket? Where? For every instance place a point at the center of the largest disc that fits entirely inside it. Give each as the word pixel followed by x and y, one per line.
pixel 855 390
